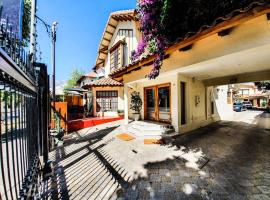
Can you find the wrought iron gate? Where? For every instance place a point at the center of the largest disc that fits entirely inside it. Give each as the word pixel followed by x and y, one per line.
pixel 24 118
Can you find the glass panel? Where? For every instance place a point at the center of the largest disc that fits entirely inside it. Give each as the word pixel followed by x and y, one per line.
pixel 164 103
pixel 150 103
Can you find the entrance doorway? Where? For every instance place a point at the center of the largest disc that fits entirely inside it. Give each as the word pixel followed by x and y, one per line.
pixel 157 104
pixel 183 103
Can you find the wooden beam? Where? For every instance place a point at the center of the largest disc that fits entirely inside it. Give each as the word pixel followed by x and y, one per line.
pixel 106 39
pixel 186 48
pixel 268 16
pixel 225 32
pixel 108 32
pixel 102 61
pixel 104 52
pixel 112 26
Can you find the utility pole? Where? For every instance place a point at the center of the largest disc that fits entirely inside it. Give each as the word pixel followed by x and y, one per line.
pixel 54 27
pixel 33 31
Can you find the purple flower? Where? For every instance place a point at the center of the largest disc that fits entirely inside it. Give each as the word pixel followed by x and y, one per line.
pixel 146 2
pixel 140 50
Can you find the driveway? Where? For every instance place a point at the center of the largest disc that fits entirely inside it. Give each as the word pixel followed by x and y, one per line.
pixel 226 160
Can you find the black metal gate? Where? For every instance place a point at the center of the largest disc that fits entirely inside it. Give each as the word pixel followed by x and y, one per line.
pixel 24 119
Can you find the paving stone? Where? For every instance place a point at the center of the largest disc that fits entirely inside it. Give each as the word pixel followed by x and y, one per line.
pixel 245 183
pixel 237 168
pixel 259 197
pixel 264 189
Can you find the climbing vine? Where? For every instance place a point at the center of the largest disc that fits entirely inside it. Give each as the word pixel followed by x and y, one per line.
pixel 152 15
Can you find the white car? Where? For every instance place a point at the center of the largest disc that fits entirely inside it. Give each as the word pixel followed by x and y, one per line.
pixel 247 104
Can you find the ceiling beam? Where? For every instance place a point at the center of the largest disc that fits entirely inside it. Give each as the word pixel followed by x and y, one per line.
pixel 108 32
pixel 112 26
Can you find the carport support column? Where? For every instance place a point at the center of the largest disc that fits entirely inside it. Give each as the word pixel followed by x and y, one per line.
pixel 126 103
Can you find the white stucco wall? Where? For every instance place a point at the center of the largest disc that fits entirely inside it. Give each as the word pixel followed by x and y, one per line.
pixel 196 115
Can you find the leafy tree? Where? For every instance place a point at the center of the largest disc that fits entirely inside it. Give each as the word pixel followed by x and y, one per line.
pixel 74 77
pixel 26 20
pixel 263 85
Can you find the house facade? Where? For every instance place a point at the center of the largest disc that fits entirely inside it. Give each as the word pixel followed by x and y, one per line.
pixel 248 92
pixel 119 39
pixel 187 93
pixel 88 78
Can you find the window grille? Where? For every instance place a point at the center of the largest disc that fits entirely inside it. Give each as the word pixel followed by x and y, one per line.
pixel 107 100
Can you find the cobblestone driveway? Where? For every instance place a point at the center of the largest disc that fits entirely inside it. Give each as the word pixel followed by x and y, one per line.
pixel 99 166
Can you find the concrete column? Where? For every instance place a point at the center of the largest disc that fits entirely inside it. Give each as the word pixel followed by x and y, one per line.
pixel 126 103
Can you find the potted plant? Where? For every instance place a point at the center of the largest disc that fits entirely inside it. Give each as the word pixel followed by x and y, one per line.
pixel 136 105
pixel 121 113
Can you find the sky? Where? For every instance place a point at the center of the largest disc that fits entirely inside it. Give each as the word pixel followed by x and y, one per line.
pixel 81 24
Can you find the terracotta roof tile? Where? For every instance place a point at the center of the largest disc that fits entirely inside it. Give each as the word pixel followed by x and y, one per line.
pixel 104 82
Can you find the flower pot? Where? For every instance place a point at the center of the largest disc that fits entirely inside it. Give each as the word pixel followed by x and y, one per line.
pixel 136 116
pixel 121 114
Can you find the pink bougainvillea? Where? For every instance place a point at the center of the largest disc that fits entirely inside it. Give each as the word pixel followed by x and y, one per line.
pixel 153 39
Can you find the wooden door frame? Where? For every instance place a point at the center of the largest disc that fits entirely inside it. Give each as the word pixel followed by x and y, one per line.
pixel 156 87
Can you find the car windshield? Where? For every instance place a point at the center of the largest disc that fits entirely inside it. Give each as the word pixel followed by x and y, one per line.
pixel 237 104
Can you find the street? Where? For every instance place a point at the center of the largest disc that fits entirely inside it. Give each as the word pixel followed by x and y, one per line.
pixel 259 118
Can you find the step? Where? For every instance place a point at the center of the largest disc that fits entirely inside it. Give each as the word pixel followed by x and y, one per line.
pixel 148 132
pixel 137 132
pixel 149 124
pixel 143 127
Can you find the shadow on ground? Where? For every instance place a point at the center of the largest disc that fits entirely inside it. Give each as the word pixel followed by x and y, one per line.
pixel 238 167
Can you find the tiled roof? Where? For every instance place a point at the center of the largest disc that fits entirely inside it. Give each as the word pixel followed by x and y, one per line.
pixel 190 35
pixel 91 74
pixel 104 82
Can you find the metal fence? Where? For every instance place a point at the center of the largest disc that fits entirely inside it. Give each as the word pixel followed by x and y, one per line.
pixel 24 118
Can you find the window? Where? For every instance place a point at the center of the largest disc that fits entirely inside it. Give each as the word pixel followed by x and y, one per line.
pixel 121 51
pixel 116 58
pixel 107 100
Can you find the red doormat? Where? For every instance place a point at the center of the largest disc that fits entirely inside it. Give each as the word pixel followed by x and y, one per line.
pixel 153 141
pixel 125 137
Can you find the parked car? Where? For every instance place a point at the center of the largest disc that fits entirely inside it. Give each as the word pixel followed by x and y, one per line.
pixel 239 107
pixel 247 104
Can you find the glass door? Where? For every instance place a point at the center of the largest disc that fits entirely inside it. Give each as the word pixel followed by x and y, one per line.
pixel 150 103
pixel 158 103
pixel 164 104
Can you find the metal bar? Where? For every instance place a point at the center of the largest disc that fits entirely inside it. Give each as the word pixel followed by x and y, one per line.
pixel 12 138
pixel 17 135
pixel 10 67
pixel 23 134
pixel 7 149
pixel 1 151
pixel 20 135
